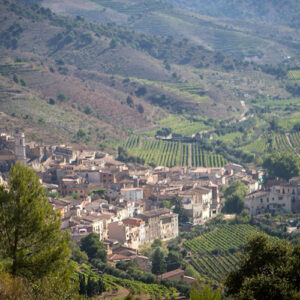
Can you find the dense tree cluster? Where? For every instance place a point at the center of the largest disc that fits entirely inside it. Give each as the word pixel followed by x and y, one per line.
pixel 269 269
pixel 284 165
pixel 234 195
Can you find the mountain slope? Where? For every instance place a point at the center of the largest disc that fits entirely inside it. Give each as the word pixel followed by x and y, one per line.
pixel 241 38
pixel 276 12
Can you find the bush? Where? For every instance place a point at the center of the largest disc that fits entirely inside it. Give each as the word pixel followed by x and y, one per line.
pixel 51 101
pixel 62 98
pixel 141 91
pixel 140 108
pixel 88 109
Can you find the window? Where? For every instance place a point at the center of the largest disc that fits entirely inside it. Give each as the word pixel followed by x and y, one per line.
pixel 268 200
pixel 261 200
pixel 280 198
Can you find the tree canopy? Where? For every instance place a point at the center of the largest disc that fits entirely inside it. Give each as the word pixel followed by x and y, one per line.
pixel 284 165
pixel 158 262
pixel 31 244
pixel 92 246
pixel 234 195
pixel 269 269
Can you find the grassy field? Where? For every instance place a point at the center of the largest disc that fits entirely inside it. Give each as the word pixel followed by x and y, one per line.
pixel 178 125
pixel 230 137
pixel 288 122
pixel 258 146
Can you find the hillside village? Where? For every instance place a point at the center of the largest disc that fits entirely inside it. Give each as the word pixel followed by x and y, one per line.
pixel 125 203
pixel 149 149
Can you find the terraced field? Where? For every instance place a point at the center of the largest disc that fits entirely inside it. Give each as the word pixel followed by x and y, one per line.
pixel 216 253
pixel 281 143
pixel 203 158
pixel 156 291
pixel 294 75
pixel 215 267
pixel 295 140
pixel 224 238
pixel 165 153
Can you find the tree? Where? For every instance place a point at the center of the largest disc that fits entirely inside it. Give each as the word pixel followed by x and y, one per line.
pixel 269 269
pixel 141 91
pixel 88 109
pixel 158 262
pixel 284 165
pixel 31 242
pixel 296 127
pixel 140 108
pixel 80 133
pixel 203 292
pixel 113 44
pixel 156 243
pixel 234 195
pixel 173 260
pixel 62 98
pixel 90 287
pixel 16 78
pixel 274 125
pixel 93 247
pixel 129 101
pixel 164 131
pixel 78 255
pixel 51 101
pixel 178 209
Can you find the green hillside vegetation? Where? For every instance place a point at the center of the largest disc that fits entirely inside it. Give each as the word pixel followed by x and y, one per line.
pixel 216 253
pixel 170 154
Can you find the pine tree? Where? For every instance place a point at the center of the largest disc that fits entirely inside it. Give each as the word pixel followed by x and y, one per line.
pixel 158 262
pixel 82 284
pixel 31 242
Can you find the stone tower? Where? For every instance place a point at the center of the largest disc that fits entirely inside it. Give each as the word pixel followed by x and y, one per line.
pixel 20 148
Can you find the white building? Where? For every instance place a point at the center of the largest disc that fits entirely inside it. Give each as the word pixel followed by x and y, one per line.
pixel 132 193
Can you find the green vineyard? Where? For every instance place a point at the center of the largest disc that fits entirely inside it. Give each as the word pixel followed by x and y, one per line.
pixel 216 253
pixel 294 75
pixel 215 267
pixel 157 291
pixel 165 153
pixel 224 238
pixel 280 142
pixel 295 140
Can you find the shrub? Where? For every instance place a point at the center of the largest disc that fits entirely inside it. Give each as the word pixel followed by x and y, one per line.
pixel 62 98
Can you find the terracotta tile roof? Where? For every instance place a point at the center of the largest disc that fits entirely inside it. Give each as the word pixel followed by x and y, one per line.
pixel 133 222
pixel 116 257
pixel 171 274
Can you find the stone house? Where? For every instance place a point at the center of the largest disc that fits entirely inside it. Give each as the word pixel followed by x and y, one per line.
pixel 130 232
pixel 160 224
